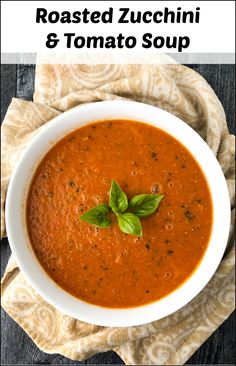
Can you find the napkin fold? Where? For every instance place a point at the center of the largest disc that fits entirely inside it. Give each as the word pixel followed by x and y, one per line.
pixel 180 91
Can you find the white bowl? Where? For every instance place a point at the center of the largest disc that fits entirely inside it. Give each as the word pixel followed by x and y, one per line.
pixel 16 201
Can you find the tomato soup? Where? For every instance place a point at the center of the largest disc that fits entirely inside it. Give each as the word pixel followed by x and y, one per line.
pixel 105 266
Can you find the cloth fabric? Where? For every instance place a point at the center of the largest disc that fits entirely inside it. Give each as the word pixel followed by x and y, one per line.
pixel 180 91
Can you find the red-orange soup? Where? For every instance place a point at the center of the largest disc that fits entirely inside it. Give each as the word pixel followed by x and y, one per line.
pixel 105 266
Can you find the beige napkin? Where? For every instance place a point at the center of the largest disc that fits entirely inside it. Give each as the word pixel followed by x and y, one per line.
pixel 180 91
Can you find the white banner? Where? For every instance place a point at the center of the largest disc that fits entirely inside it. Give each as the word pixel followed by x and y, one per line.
pixel 140 28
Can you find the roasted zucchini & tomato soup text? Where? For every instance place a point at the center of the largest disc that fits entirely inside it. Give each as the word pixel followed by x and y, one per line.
pixel 105 265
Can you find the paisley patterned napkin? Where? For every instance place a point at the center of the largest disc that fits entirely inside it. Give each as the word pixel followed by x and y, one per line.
pixel 180 91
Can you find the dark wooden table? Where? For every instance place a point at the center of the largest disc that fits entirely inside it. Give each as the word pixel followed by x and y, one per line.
pixel 16 346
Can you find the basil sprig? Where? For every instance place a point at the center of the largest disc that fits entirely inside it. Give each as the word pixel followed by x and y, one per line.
pixel 144 205
pixel 97 216
pixel 118 201
pixel 128 212
pixel 130 224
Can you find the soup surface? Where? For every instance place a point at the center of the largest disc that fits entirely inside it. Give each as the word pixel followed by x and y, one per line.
pixel 105 266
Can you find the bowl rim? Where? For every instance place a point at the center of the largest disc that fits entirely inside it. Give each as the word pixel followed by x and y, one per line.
pixel 24 255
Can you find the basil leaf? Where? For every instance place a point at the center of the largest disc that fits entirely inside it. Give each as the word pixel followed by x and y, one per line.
pixel 144 205
pixel 117 199
pixel 97 216
pixel 130 224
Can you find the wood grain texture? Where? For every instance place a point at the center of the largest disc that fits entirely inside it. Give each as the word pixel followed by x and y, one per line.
pixel 17 347
pixel 8 87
